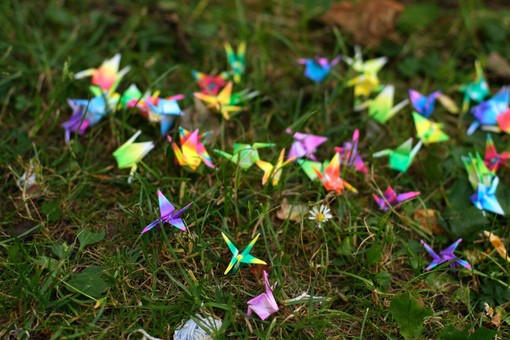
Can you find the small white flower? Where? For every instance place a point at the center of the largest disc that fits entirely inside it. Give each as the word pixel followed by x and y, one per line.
pixel 320 215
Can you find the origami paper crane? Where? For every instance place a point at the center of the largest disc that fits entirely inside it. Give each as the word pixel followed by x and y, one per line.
pixel 485 197
pixel 331 179
pixel 309 167
pixel 369 66
pixel 131 97
pixel 367 80
pixel 129 154
pixel 87 113
pixel 245 155
pixel 237 61
pixel 166 110
pixel 493 160
pixel 220 103
pixel 304 145
pixel 273 171
pixel 402 157
pixel 168 214
pixel 264 304
pixel 244 257
pixel 424 105
pixel 192 151
pixel 504 121
pixel 391 199
pixel 381 107
pixel 364 84
pixel 428 131
pixel 446 255
pixel 210 85
pixel 477 171
pixel 107 76
pixel 242 97
pixel 349 154
pixel 486 112
pixel 318 68
pixel 477 90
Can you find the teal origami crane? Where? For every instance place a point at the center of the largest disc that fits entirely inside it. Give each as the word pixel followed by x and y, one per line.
pixel 237 61
pixel 243 257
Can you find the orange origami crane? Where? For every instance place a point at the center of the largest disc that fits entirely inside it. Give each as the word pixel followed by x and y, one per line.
pixel 331 177
pixel 192 151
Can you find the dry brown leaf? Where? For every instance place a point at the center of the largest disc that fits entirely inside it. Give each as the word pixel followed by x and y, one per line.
pixel 257 270
pixel 498 244
pixel 293 212
pixel 497 64
pixel 427 218
pixel 369 21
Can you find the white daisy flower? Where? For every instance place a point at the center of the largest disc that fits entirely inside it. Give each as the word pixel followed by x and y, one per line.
pixel 321 215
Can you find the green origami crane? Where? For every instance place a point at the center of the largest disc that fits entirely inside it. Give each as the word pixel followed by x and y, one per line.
pixel 477 171
pixel 243 257
pixel 245 155
pixel 402 157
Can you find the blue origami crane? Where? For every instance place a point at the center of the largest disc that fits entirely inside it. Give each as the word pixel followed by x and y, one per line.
pixel 318 68
pixel 424 105
pixel 485 197
pixel 168 110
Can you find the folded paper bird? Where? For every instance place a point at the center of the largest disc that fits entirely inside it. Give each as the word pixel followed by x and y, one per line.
pixel 243 257
pixel 167 214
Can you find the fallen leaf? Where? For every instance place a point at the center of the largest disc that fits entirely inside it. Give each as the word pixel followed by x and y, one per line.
pixel 427 218
pixel 293 212
pixel 498 244
pixel 369 21
pixel 497 64
pixel 257 270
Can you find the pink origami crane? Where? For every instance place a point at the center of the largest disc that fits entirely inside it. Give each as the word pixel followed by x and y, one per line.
pixel 349 154
pixel 107 76
pixel 264 304
pixel 304 145
pixel 331 177
pixel 391 199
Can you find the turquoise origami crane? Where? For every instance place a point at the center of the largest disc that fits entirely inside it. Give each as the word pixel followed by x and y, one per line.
pixel 243 257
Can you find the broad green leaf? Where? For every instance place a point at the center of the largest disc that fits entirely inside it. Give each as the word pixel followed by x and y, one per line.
pixel 51 210
pixel 62 250
pixel 409 315
pixel 482 333
pixel 87 237
pixel 90 282
pixel 374 254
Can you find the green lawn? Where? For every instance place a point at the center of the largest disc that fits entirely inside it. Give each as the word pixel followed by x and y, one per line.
pixel 72 260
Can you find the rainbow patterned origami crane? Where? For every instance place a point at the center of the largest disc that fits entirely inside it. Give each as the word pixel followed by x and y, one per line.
pixel 192 151
pixel 265 304
pixel 492 159
pixel 220 103
pixel 107 76
pixel 503 120
pixel 424 105
pixel 168 214
pixel 446 255
pixel 245 155
pixel 401 158
pixel 428 131
pixel 87 113
pixel 237 61
pixel 210 85
pixel 243 257
pixel 487 112
pixel 475 91
pixel 349 154
pixel 131 97
pixel 477 171
pixel 381 107
pixel 318 68
pixel 273 172
pixel 391 199
pixel 304 145
pixel 130 154
pixel 331 179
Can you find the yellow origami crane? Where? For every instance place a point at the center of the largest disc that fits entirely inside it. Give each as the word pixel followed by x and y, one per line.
pixel 274 171
pixel 428 131
pixel 220 103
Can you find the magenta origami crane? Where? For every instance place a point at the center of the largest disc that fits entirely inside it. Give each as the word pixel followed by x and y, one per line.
pixel 168 214
pixel 264 304
pixel 492 159
pixel 446 256
pixel 349 155
pixel 304 145
pixel 391 199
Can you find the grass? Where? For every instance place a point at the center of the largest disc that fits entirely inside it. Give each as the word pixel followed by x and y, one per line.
pixel 60 278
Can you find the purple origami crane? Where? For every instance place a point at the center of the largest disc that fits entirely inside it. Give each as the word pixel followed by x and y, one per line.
pixel 264 304
pixel 391 199
pixel 424 105
pixel 304 145
pixel 446 256
pixel 167 214
pixel 349 154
